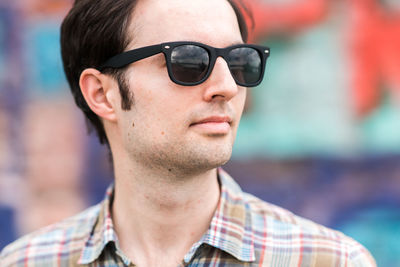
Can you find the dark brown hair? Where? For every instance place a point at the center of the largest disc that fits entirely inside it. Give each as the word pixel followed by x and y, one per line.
pixel 95 30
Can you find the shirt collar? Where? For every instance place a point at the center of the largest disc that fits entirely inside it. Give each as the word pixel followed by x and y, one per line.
pixel 103 233
pixel 231 227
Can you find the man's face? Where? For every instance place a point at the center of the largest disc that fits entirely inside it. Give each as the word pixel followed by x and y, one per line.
pixel 184 129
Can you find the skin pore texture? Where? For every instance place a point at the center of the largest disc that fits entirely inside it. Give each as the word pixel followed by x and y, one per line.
pixel 167 146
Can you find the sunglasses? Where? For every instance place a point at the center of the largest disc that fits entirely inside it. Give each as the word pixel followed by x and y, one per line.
pixel 191 63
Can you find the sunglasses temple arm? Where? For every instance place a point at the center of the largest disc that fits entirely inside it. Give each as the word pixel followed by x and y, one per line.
pixel 126 58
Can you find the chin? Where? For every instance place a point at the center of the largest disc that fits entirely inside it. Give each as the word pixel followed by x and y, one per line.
pixel 213 159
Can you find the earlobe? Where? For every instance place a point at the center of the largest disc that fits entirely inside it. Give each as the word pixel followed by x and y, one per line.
pixel 96 89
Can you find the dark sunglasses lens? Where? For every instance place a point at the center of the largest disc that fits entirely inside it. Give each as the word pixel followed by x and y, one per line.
pixel 189 63
pixel 245 65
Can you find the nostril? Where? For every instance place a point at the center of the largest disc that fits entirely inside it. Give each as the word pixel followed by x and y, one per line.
pixel 217 95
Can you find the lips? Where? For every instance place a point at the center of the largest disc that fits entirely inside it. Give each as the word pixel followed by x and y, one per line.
pixel 219 125
pixel 214 119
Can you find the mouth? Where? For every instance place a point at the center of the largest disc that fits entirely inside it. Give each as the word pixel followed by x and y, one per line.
pixel 213 125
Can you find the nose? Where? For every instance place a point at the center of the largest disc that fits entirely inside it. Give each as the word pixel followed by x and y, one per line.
pixel 220 84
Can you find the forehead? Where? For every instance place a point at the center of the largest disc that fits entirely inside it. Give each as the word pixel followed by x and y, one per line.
pixel 213 22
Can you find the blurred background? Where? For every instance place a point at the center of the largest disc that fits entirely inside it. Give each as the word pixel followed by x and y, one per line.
pixel 320 136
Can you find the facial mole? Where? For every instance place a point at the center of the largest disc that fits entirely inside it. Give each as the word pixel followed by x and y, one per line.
pixel 170 170
pixel 133 124
pixel 162 133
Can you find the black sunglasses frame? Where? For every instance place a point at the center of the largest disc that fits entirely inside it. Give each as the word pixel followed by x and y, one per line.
pixel 128 57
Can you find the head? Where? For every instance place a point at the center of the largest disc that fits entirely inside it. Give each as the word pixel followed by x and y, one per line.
pixel 138 110
pixel 89 37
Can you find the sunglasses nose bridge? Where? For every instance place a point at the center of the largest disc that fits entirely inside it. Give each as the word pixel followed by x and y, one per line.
pixel 218 53
pixel 221 52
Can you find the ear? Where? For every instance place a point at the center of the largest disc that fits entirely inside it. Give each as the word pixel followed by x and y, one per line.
pixel 99 91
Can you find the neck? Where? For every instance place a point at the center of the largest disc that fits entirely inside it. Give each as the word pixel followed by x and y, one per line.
pixel 159 215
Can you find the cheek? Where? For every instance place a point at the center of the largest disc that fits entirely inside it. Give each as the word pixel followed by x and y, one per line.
pixel 240 100
pixel 159 107
pixel 162 103
pixel 158 115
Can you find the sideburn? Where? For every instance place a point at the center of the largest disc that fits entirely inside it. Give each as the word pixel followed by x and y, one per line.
pixel 127 98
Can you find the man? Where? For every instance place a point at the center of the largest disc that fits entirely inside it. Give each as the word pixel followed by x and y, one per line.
pixel 169 108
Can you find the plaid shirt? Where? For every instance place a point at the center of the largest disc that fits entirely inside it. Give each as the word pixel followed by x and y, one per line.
pixel 245 231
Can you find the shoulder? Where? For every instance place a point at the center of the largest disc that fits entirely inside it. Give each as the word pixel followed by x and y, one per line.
pixel 279 229
pixel 50 244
